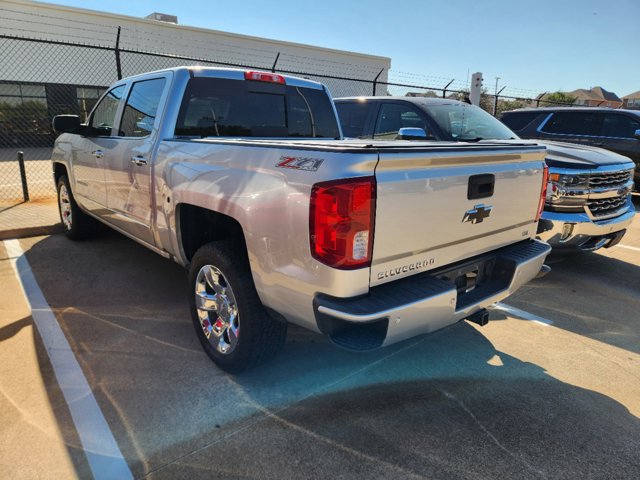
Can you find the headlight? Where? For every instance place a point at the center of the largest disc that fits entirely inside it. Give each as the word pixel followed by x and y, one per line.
pixel 567 192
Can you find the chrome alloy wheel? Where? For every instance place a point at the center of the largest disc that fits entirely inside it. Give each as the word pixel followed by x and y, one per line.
pixel 217 309
pixel 65 207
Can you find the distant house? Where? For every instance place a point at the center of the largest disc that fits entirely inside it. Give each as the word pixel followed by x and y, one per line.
pixel 428 94
pixel 596 97
pixel 632 101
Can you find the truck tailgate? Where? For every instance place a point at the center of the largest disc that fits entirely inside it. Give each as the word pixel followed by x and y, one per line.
pixel 425 218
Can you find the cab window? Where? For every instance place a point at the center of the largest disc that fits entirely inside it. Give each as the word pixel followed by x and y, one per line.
pixel 617 125
pixel 392 118
pixel 141 109
pixel 574 123
pixel 220 107
pixel 353 118
pixel 104 115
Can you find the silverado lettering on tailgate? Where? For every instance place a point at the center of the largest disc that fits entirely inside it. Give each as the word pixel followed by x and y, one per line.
pixel 406 268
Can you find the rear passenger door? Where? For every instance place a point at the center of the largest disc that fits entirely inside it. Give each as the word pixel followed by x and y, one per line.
pixel 618 131
pixel 356 118
pixel 129 170
pixel 575 127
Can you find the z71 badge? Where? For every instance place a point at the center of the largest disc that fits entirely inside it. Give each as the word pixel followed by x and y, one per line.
pixel 300 163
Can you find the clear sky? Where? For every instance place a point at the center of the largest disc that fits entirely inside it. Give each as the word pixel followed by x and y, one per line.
pixel 533 46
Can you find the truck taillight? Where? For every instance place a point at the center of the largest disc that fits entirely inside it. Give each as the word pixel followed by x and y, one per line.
pixel 543 192
pixel 264 77
pixel 341 222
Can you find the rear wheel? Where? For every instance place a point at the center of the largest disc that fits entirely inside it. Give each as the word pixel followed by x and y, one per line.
pixel 77 224
pixel 232 325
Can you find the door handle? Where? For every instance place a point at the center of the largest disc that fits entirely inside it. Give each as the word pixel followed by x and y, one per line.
pixel 481 186
pixel 97 153
pixel 139 160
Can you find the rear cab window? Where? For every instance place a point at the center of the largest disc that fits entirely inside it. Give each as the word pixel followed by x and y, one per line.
pixel 221 107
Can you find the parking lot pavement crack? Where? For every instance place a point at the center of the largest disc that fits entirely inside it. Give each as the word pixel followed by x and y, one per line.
pixel 77 311
pixel 493 438
pixel 267 414
pixel 352 451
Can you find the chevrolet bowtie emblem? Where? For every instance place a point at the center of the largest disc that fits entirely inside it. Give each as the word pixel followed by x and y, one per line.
pixel 477 214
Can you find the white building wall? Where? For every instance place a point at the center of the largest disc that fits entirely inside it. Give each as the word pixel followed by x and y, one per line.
pixel 46 63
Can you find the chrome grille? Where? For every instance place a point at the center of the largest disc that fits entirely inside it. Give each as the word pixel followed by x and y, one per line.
pixel 610 179
pixel 606 206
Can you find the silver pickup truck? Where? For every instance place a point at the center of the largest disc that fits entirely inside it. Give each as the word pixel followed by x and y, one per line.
pixel 243 178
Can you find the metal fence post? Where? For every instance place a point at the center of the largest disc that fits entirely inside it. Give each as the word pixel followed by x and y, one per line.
pixel 117 52
pixel 444 90
pixel 495 101
pixel 23 177
pixel 375 81
pixel 275 62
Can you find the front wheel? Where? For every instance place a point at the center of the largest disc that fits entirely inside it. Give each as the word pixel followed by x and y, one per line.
pixel 232 325
pixel 77 224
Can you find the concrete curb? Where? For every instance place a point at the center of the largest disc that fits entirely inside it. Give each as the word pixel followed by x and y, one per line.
pixel 25 232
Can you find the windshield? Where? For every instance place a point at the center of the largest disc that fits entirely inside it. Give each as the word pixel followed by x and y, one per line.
pixel 464 122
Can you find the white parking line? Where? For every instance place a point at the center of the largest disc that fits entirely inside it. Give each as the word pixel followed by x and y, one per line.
pixel 100 447
pixel 629 247
pixel 516 312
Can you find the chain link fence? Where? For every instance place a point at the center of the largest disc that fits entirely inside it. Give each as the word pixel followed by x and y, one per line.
pixel 43 78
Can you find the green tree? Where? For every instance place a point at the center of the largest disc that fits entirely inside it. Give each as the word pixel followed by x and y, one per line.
pixel 507 105
pixel 557 97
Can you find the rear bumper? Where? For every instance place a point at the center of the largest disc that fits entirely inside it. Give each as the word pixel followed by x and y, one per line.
pixel 578 232
pixel 426 302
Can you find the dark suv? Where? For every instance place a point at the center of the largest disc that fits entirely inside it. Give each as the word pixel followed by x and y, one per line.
pixel 616 130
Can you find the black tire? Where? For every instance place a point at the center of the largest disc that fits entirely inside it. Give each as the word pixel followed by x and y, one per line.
pixel 80 225
pixel 260 337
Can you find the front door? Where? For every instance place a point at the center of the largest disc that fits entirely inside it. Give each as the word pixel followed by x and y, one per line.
pixel 129 170
pixel 91 151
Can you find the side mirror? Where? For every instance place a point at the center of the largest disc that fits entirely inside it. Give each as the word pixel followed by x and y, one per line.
pixel 66 124
pixel 637 134
pixel 411 133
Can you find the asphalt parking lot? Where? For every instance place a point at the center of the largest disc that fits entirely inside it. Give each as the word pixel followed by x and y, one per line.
pixel 548 389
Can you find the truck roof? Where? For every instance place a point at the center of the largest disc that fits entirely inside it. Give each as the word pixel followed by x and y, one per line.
pixel 574 109
pixel 416 100
pixel 231 73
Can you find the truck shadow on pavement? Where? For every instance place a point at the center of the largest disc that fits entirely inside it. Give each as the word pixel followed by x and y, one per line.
pixel 589 294
pixel 447 405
